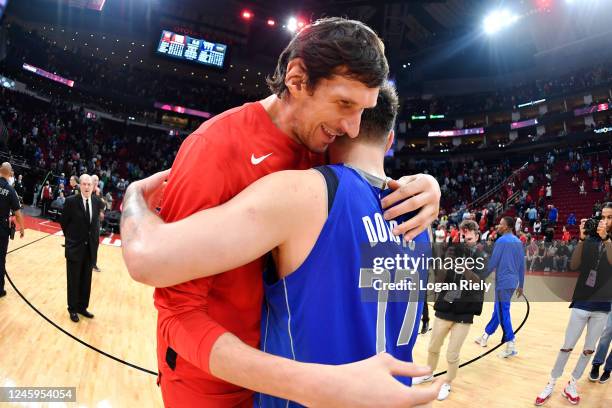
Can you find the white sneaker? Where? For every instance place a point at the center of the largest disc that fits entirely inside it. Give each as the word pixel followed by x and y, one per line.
pixel 510 350
pixel 444 392
pixel 571 393
pixel 508 353
pixel 545 394
pixel 481 341
pixel 421 380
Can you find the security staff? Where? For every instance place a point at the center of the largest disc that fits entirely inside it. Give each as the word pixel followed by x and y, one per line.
pixel 8 202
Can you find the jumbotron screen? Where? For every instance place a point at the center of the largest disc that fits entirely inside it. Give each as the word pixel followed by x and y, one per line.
pixel 192 49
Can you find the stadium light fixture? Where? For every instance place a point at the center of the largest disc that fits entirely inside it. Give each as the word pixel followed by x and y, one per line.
pixel 499 20
pixel 292 24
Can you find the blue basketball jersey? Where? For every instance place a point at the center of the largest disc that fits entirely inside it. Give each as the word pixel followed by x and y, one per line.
pixel 333 309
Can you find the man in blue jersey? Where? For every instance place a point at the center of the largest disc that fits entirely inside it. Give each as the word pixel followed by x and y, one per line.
pixel 326 230
pixel 508 262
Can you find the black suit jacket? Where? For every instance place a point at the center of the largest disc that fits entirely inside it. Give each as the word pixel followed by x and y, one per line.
pixel 81 235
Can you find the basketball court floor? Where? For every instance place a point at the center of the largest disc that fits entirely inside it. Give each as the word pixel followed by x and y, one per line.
pixel 111 358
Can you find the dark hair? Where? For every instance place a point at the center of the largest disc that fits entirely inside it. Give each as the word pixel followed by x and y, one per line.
pixel 509 222
pixel 377 122
pixel 334 46
pixel 607 205
pixel 470 225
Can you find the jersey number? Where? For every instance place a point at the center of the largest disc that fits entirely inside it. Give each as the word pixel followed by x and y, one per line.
pixel 367 277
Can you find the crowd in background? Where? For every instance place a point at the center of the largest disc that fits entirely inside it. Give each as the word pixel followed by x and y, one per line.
pixel 510 98
pixel 56 142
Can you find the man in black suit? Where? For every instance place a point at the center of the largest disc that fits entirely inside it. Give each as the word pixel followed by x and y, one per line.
pixel 81 224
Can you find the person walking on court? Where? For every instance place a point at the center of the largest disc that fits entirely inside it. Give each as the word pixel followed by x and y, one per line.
pixel 80 222
pixel 508 262
pixel 455 309
pixel 591 303
pixel 8 202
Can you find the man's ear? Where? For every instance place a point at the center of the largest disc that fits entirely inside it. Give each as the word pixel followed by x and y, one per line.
pixel 296 77
pixel 390 139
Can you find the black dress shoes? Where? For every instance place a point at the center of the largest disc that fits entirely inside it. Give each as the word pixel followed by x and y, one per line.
pixel 74 317
pixel 3 293
pixel 86 314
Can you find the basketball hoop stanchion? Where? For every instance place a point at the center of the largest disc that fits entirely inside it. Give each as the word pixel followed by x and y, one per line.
pixel 496 347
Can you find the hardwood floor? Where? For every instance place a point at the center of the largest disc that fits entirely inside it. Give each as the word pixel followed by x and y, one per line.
pixel 35 353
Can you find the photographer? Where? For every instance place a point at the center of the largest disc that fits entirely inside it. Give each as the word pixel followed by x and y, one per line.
pixel 455 309
pixel 590 302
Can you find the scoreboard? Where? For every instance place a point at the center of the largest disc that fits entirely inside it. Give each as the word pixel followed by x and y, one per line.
pixel 192 49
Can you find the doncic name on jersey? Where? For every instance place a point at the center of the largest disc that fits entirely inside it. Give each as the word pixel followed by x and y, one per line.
pixel 391 283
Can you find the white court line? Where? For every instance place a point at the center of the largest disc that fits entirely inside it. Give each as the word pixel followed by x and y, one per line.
pixel 45 223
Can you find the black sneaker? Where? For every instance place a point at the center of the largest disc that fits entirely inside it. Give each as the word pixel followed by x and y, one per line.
pixel 3 293
pixel 425 327
pixel 594 373
pixel 604 377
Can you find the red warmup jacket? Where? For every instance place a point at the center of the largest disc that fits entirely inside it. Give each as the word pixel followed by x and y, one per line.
pixel 215 163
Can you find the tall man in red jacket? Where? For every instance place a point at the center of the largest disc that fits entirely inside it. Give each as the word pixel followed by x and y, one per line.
pixel 208 329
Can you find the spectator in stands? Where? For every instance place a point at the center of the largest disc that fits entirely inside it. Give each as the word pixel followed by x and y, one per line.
pixel 46 197
pixel 595 185
pixel 537 227
pixel 566 235
pixel 19 188
pixel 58 205
pixel 561 257
pixel 517 225
pixel 37 190
pixel 60 189
pixel 553 215
pixel 61 179
pixel 548 191
pixel 571 219
pixel 531 253
pixel 453 237
pixel 121 186
pixel 530 180
pixel 74 185
pixel 582 191
pixel 109 200
pixel 549 255
pixel 532 215
pixel 440 234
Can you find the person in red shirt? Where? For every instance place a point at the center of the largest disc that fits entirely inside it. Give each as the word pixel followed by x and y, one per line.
pixel 454 234
pixel 208 328
pixel 566 235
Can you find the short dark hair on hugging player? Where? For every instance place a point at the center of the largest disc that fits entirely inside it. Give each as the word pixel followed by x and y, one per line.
pixel 334 46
